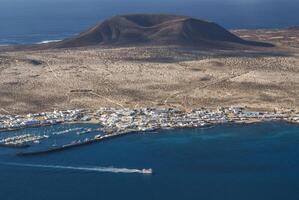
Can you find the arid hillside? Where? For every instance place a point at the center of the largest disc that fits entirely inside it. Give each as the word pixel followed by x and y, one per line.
pixel 167 76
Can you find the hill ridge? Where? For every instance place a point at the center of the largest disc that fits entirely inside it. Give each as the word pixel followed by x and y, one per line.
pixel 158 29
pixel 153 29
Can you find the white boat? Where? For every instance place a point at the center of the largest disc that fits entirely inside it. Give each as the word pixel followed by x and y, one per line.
pixel 147 171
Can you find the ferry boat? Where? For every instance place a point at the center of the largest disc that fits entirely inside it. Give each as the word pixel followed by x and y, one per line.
pixel 147 171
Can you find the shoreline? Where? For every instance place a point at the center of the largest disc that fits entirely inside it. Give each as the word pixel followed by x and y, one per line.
pixel 118 122
pixel 95 122
pixel 81 116
pixel 112 136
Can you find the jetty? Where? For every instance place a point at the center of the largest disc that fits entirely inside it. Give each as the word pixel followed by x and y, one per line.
pixel 115 122
pixel 97 138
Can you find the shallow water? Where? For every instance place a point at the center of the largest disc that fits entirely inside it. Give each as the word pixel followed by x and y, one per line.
pixel 258 161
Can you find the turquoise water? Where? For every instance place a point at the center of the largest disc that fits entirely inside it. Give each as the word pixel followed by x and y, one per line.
pixel 258 161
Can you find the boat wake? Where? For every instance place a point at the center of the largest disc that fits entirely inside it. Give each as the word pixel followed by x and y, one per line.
pixel 48 41
pixel 93 169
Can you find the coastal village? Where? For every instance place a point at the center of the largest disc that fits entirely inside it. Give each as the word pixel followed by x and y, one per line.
pixel 115 122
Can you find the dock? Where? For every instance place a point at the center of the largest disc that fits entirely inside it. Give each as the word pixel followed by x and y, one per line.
pixel 72 145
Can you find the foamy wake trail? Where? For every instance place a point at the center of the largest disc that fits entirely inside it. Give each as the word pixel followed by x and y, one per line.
pixel 48 41
pixel 94 169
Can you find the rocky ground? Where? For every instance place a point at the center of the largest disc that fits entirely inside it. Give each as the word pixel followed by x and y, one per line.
pixel 261 79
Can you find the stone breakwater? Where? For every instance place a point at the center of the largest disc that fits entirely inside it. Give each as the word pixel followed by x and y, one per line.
pixel 118 122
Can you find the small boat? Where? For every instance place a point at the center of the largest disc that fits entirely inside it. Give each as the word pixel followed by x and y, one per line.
pixel 147 171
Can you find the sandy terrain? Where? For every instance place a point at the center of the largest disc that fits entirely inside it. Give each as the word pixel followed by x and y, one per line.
pixel 153 76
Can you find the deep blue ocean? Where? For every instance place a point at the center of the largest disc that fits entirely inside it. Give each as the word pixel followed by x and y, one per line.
pixel 229 162
pixel 34 21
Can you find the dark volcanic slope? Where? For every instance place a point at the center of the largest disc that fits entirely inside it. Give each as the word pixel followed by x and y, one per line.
pixel 154 29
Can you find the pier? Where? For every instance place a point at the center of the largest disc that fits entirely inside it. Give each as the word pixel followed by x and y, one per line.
pixel 98 138
pixel 117 122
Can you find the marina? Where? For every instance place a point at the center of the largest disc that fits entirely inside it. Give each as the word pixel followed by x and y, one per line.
pixel 186 163
pixel 111 122
pixel 149 100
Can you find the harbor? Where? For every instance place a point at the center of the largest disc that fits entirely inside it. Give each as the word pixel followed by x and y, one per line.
pixel 112 122
pixel 193 157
